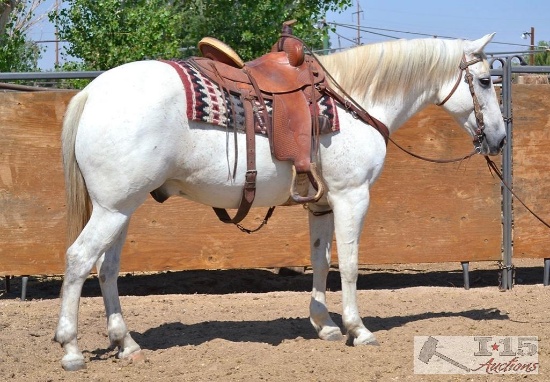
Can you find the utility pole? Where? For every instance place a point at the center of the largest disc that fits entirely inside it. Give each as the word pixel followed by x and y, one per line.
pixel 326 41
pixel 56 36
pixel 532 47
pixel 359 10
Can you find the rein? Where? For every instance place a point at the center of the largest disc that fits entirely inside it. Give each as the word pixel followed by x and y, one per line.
pixel 493 168
pixel 355 108
pixel 358 112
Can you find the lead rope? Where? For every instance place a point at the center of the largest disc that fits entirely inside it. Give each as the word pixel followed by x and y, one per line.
pixel 494 169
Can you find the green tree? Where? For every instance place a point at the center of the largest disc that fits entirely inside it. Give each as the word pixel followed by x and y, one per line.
pixel 106 33
pixel 252 27
pixel 543 58
pixel 17 54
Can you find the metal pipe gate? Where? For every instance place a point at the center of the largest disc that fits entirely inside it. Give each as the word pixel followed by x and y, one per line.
pixel 506 71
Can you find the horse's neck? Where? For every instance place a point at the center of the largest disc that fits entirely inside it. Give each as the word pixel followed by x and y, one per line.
pixel 394 112
pixel 387 81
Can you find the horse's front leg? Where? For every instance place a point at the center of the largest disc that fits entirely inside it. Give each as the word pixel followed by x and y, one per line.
pixel 350 208
pixel 321 229
pixel 108 267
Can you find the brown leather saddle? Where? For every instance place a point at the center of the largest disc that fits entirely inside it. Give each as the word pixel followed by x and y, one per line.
pixel 280 91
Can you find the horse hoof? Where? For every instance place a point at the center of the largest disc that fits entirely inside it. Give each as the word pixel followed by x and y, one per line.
pixel 366 339
pixel 137 357
pixel 73 364
pixel 331 334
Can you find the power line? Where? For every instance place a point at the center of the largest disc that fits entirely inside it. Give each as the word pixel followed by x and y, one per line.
pixel 370 30
pixel 344 38
pixel 367 29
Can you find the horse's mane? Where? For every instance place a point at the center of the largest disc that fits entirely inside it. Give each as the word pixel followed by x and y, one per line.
pixel 376 72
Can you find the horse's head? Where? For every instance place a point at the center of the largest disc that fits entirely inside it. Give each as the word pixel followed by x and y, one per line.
pixel 471 99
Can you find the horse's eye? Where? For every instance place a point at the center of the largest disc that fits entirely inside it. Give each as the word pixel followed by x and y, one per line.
pixel 485 81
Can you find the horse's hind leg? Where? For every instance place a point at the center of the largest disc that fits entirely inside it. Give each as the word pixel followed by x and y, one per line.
pixel 108 267
pixel 321 229
pixel 99 234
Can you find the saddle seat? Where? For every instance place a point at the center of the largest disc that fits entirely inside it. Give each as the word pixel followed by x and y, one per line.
pixel 273 72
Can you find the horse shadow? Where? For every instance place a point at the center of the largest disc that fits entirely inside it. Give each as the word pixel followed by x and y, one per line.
pixel 263 281
pixel 275 332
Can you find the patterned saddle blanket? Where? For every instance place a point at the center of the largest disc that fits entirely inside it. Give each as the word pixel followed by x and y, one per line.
pixel 207 103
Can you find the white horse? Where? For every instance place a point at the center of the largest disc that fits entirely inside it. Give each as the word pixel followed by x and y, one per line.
pixel 127 134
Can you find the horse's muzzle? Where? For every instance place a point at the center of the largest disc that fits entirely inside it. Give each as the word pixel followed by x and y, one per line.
pixel 487 148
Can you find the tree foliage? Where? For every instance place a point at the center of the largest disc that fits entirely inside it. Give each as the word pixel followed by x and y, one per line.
pixel 252 27
pixel 543 58
pixel 106 33
pixel 17 54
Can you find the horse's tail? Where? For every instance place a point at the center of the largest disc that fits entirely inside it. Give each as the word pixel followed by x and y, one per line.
pixel 79 206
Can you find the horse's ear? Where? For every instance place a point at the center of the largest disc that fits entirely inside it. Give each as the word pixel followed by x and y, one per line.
pixel 477 46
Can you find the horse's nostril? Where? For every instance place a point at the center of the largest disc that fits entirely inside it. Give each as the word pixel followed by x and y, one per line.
pixel 502 143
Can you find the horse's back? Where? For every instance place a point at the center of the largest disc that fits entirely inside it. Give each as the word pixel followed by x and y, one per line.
pixel 134 84
pixel 137 71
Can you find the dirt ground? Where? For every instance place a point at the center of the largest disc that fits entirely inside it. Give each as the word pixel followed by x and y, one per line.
pixel 253 325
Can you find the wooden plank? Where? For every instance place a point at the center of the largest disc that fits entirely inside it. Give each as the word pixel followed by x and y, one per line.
pixel 531 166
pixel 32 210
pixel 426 212
pixel 420 212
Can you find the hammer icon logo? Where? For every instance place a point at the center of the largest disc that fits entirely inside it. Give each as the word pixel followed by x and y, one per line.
pixel 429 349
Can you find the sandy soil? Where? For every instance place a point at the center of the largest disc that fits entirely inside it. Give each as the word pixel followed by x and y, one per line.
pixel 252 325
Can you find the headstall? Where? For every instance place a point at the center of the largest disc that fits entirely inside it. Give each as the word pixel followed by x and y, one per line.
pixel 464 66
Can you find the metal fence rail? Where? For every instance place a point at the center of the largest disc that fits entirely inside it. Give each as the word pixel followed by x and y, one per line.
pixel 48 76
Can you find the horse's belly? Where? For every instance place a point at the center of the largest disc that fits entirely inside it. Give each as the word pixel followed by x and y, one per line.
pixel 225 192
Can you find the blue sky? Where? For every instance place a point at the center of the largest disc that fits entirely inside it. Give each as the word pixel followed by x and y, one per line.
pixel 458 19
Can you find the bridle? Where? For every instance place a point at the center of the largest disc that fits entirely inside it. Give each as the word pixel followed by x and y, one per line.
pixel 479 135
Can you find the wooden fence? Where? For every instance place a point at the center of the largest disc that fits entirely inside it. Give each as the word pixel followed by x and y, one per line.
pixel 420 212
pixel 531 169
